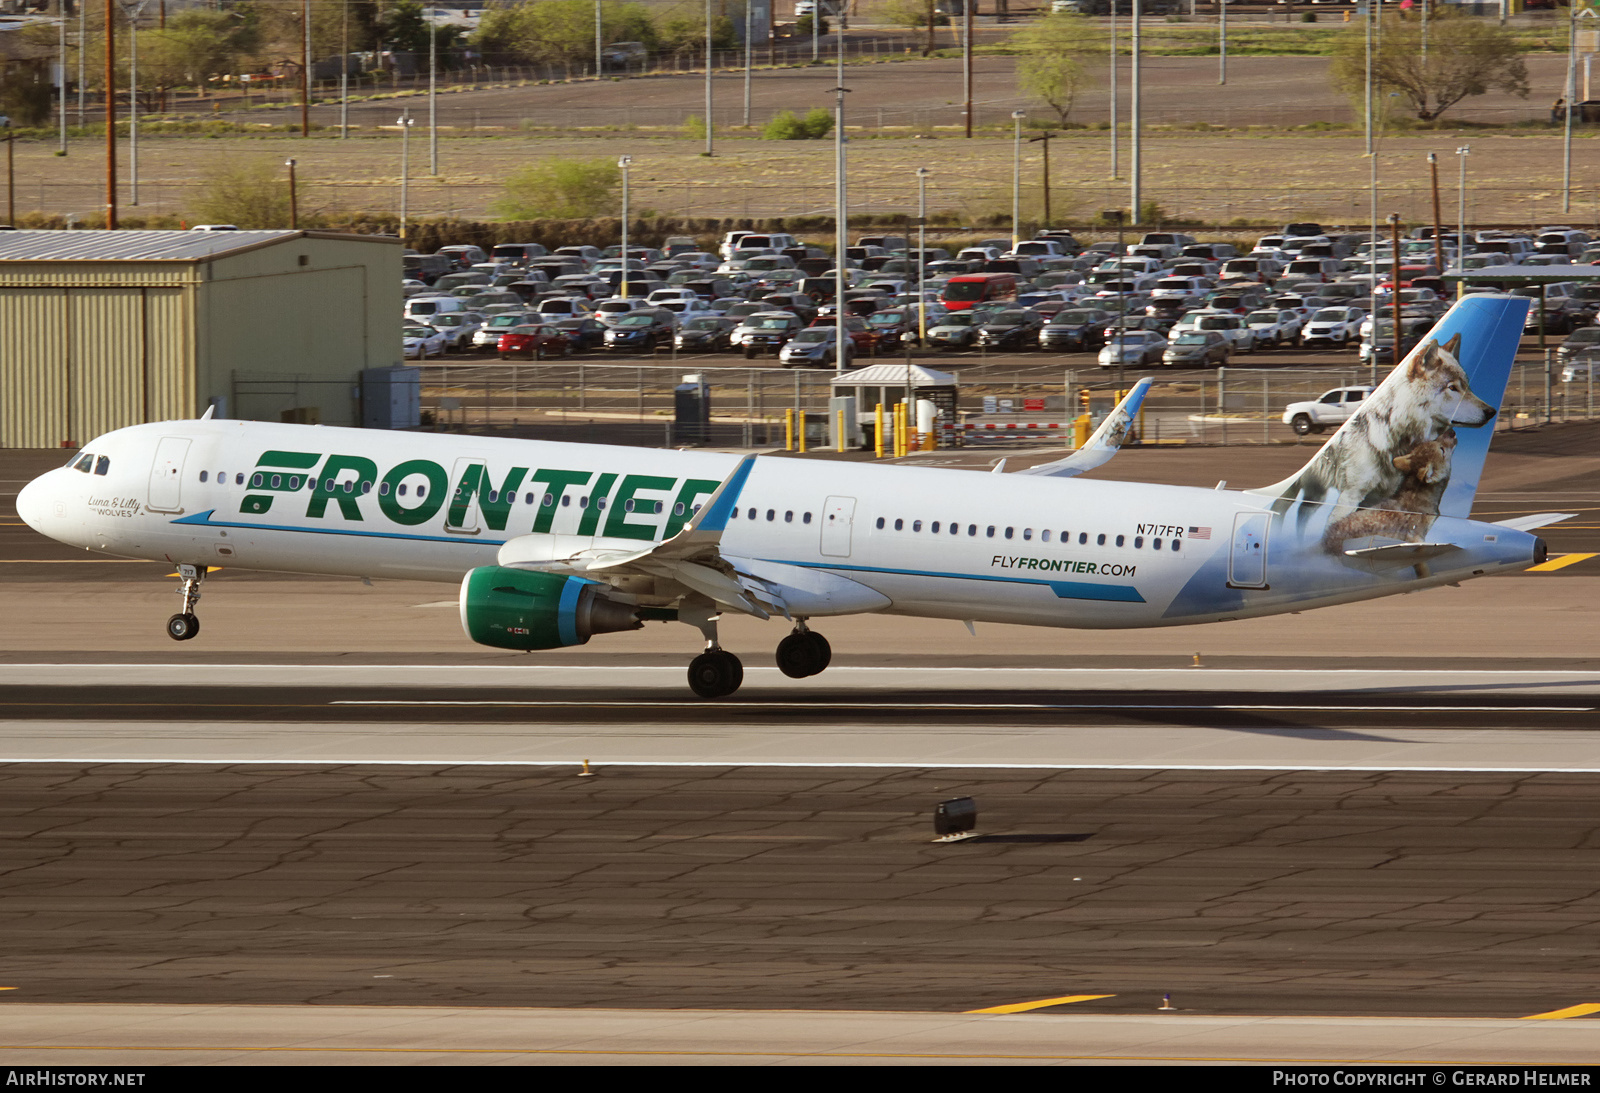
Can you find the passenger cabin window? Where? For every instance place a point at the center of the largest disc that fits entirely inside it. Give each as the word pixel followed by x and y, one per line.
pixel 202 474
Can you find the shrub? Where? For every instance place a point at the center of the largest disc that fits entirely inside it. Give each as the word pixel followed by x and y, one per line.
pixel 817 123
pixel 561 189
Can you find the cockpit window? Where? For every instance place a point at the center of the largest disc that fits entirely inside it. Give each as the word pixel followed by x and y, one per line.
pixel 102 465
pixel 84 463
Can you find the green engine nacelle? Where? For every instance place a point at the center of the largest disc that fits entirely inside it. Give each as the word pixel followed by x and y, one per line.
pixel 524 609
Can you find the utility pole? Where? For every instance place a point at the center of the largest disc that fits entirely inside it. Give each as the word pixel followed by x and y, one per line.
pixel 1438 231
pixel 294 206
pixel 1046 140
pixel 305 69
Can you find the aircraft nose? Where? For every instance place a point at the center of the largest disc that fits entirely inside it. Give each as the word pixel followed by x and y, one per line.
pixel 33 504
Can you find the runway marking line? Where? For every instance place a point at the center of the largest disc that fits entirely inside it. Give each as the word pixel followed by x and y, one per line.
pixel 1042 1003
pixel 1558 562
pixel 560 702
pixel 1583 1009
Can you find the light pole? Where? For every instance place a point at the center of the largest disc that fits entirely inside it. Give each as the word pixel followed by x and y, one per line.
pixel 709 127
pixel 1016 177
pixel 624 163
pixel 1222 41
pixel 1461 212
pixel 749 24
pixel 111 115
pixel 134 10
pixel 1571 98
pixel 404 121
pixel 1116 169
pixel 598 60
pixel 433 98
pixel 922 266
pixel 1136 114
pixel 294 206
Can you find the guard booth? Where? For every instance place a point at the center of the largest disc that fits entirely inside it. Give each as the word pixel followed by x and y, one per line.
pixel 885 385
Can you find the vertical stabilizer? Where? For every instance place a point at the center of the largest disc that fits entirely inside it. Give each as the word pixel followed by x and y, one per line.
pixel 1416 448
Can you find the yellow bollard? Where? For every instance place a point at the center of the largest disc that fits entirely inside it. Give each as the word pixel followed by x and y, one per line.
pixel 899 430
pixel 1080 431
pixel 788 430
pixel 800 418
pixel 877 432
pixel 838 430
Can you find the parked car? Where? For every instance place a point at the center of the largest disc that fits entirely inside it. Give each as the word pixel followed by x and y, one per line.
pixel 1076 330
pixel 641 331
pixel 420 342
pixel 812 346
pixel 534 341
pixel 1012 329
pixel 765 332
pixel 1335 326
pixel 1331 409
pixel 1196 349
pixel 705 334
pixel 1133 348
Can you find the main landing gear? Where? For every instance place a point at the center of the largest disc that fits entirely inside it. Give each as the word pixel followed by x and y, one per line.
pixel 717 673
pixel 803 653
pixel 185 624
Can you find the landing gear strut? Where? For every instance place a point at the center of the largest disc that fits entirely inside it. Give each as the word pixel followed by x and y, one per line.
pixel 803 653
pixel 185 624
pixel 715 673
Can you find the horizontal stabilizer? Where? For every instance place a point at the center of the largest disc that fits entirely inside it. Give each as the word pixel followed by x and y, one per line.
pixel 1528 523
pixel 1105 442
pixel 1401 553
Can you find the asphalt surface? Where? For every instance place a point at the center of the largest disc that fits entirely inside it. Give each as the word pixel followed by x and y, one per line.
pixel 1299 893
pixel 1121 856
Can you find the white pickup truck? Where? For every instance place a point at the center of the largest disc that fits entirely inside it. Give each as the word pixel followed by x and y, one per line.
pixel 1330 410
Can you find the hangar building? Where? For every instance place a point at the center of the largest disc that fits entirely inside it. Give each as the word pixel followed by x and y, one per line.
pixel 103 329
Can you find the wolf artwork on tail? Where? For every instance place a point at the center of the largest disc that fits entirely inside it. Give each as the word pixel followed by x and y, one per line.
pixel 1416 448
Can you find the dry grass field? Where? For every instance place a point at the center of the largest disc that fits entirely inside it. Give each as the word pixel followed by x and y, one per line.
pixel 1273 144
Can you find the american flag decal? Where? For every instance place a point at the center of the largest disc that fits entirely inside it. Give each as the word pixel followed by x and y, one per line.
pixel 1199 533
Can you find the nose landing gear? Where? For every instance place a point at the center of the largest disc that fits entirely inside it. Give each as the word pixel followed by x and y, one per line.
pixel 185 624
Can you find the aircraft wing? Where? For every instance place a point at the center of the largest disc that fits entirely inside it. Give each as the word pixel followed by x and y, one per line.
pixel 1105 441
pixel 694 559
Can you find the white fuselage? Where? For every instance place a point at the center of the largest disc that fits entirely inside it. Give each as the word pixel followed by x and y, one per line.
pixel 934 542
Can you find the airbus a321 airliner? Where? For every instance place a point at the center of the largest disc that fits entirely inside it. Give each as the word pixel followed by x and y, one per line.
pixel 554 543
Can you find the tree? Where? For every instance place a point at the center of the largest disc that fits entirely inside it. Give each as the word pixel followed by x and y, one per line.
pixel 914 15
pixel 562 189
pixel 1465 56
pixel 1052 62
pixel 251 194
pixel 552 31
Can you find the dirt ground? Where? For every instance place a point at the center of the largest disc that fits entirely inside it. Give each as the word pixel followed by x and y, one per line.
pixel 900 116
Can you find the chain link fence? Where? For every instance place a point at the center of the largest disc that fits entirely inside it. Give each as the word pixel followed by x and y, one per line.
pixel 619 403
pixel 999 405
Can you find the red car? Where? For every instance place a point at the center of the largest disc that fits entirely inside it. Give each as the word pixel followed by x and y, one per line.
pixel 534 341
pixel 862 336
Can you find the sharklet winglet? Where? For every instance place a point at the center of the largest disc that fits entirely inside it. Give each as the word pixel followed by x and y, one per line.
pixel 1106 441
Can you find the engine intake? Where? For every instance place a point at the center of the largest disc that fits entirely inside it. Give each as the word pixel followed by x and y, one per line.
pixel 525 610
